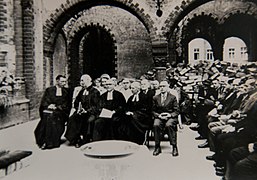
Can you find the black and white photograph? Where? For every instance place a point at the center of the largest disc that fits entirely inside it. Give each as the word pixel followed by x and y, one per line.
pixel 128 89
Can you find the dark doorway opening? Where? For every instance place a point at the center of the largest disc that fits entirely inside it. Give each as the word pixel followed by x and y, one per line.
pixel 98 53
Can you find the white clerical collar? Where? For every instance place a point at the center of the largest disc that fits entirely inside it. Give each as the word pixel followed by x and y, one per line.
pixel 58 91
pixel 135 97
pixel 110 95
pixel 85 92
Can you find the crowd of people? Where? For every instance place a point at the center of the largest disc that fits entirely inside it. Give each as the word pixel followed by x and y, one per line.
pixel 225 111
pixel 104 109
pixel 220 97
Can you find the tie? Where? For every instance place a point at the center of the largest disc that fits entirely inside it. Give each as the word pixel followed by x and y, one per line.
pixel 163 98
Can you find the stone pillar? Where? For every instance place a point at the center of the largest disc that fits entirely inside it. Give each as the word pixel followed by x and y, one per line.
pixel 18 37
pixel 28 45
pixel 160 55
pixel 3 19
pixel 28 53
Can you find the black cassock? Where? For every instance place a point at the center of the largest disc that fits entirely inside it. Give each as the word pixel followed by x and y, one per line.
pixel 110 128
pixel 141 120
pixel 52 123
pixel 83 124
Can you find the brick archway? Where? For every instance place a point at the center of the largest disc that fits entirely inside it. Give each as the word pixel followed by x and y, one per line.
pixel 186 7
pixel 57 20
pixel 178 14
pixel 75 51
pixel 66 11
pixel 201 26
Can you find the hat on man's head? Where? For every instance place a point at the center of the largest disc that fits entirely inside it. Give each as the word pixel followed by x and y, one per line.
pixel 250 82
pixel 105 76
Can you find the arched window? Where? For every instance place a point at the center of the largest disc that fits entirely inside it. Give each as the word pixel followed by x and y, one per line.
pixel 235 51
pixel 199 49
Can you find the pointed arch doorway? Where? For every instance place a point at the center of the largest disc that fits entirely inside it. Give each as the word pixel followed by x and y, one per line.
pixel 97 52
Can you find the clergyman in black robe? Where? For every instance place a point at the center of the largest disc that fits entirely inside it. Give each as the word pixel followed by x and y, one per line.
pixel 54 110
pixel 81 124
pixel 139 115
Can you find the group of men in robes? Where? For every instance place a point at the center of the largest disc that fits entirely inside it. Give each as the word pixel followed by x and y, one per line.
pixel 107 116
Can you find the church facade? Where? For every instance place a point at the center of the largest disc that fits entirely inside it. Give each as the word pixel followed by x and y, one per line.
pixel 40 39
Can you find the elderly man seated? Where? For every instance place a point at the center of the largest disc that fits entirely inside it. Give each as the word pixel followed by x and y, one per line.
pixel 165 112
pixel 81 122
pixel 139 115
pixel 112 104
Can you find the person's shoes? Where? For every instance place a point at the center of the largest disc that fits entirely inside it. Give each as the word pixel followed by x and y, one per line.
pixel 157 151
pixel 220 172
pixel 211 158
pixel 194 128
pixel 188 123
pixel 77 145
pixel 204 145
pixel 199 138
pixel 174 151
pixel 220 168
pixel 43 147
pixel 223 178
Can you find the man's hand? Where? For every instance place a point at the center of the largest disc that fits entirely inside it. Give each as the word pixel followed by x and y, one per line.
pixel 52 106
pixel 82 111
pixel 228 129
pixel 129 113
pixel 250 147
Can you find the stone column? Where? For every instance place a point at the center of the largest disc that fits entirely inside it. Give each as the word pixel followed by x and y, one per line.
pixel 160 55
pixel 28 54
pixel 18 37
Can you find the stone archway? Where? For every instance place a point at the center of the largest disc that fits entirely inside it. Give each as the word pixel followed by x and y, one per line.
pixel 67 11
pixel 242 26
pixel 199 27
pixel 98 53
pixel 92 51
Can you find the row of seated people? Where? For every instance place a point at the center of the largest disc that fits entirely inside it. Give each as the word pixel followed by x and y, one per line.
pixel 226 117
pixel 105 112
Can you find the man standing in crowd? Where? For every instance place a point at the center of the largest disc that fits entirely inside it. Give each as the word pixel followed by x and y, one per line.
pixel 112 104
pixel 54 110
pixel 165 112
pixel 81 123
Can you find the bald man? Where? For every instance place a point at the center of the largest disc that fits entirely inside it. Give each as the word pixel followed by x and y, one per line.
pixel 165 112
pixel 81 123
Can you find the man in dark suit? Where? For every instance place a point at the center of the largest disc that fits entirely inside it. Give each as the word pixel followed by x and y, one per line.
pixel 81 123
pixel 243 162
pixel 54 110
pixel 165 112
pixel 112 109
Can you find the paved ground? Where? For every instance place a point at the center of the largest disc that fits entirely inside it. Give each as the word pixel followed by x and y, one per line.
pixel 69 163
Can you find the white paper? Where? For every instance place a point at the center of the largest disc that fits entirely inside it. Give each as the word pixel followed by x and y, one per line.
pixel 106 113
